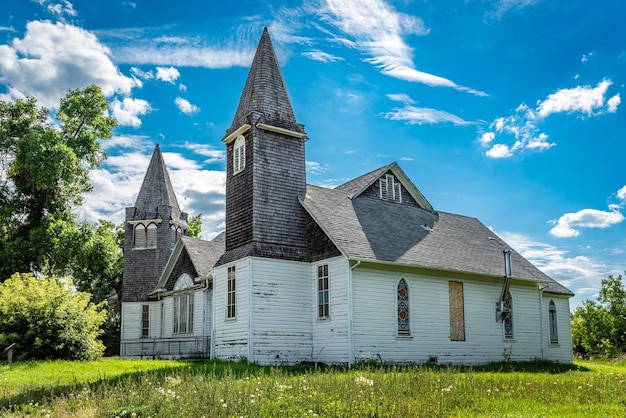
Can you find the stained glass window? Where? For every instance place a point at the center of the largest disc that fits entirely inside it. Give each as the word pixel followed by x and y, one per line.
pixel 508 316
pixel 554 334
pixel 403 308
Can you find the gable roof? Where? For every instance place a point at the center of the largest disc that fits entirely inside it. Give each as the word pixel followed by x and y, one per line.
pixel 265 92
pixel 203 256
pixel 370 229
pixel 354 188
pixel 156 188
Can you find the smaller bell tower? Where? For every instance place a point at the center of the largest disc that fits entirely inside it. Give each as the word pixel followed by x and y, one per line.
pixel 152 228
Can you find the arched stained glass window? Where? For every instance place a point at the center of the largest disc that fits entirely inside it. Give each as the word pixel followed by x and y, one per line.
pixel 403 308
pixel 508 316
pixel 554 333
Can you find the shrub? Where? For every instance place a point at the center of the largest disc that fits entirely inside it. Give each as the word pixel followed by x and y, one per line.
pixel 47 319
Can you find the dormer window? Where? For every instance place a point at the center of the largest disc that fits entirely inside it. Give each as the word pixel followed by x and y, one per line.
pixel 239 154
pixel 390 189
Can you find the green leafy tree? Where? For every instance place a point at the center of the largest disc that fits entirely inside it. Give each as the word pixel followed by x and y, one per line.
pixel 44 169
pixel 195 226
pixel 47 319
pixel 599 328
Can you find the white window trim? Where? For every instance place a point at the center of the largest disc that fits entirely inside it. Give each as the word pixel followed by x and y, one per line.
pixel 239 154
pixel 229 292
pixel 318 291
pixel 390 189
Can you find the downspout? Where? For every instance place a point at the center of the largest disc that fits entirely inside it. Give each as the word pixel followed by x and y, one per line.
pixel 213 321
pixel 250 312
pixel 351 313
pixel 204 307
pixel 543 339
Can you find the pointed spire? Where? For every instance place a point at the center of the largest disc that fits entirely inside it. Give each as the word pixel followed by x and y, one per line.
pixel 265 91
pixel 156 188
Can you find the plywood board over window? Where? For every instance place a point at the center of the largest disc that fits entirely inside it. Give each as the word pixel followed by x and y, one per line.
pixel 457 311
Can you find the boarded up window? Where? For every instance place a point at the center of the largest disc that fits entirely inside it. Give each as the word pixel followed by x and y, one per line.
pixel 457 312
pixel 323 302
pixel 554 333
pixel 508 316
pixel 145 321
pixel 230 303
pixel 403 308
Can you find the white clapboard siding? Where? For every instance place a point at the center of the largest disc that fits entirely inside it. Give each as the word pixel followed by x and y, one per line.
pixel 230 340
pixel 561 352
pixel 281 311
pixel 331 342
pixel 131 314
pixel 375 320
pixel 168 317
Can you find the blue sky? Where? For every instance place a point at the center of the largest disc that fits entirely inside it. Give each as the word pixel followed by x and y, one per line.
pixel 505 110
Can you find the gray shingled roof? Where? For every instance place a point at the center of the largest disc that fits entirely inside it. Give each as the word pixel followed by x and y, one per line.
pixel 203 254
pixel 366 228
pixel 265 91
pixel 157 189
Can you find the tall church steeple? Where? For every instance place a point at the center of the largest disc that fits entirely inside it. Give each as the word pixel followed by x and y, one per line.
pixel 151 229
pixel 265 167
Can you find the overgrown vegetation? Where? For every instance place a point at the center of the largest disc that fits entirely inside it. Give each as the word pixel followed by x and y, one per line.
pixel 114 387
pixel 599 328
pixel 47 319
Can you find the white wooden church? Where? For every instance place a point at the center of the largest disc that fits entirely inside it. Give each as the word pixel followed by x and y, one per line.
pixel 366 271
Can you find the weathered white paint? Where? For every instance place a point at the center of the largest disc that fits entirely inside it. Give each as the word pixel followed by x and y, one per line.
pixel 331 342
pixel 561 352
pixel 375 320
pixel 230 336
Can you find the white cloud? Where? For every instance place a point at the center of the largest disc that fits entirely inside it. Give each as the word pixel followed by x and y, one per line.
pixel 499 151
pixel 585 218
pixel 58 8
pixel 613 103
pixel 127 111
pixel 401 97
pixel 186 107
pixel 422 115
pixel 621 194
pixel 55 57
pixel 377 29
pixel 321 56
pixel 168 75
pixel 313 167
pixel 584 99
pixel 146 75
pixel 487 138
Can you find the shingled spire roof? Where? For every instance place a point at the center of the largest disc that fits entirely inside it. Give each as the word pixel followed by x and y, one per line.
pixel 265 92
pixel 156 188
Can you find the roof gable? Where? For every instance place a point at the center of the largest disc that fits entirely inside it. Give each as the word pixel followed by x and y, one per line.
pixel 358 186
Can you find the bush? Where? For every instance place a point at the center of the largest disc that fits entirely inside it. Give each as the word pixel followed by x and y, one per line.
pixel 47 319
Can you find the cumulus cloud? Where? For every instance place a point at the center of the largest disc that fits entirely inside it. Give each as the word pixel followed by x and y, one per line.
pixel 509 135
pixel 583 99
pixel 55 57
pixel 127 111
pixel 168 75
pixel 586 218
pixel 186 107
pixel 378 30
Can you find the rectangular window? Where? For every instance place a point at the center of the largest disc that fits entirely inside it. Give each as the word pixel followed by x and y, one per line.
pixel 390 189
pixel 183 314
pixel 145 321
pixel 231 295
pixel 322 292
pixel 457 311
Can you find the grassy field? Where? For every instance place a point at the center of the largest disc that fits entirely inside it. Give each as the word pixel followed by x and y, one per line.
pixel 150 388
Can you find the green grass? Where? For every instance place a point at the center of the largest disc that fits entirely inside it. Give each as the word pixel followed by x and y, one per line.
pixel 114 387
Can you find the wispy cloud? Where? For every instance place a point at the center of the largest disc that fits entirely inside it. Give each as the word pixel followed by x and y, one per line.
pixel 414 115
pixel 509 135
pixel 377 29
pixel 569 224
pixel 317 55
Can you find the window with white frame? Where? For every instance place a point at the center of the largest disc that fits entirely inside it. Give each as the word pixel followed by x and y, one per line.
pixel 554 332
pixel 183 314
pixel 231 295
pixel 239 154
pixel 323 302
pixel 390 189
pixel 145 321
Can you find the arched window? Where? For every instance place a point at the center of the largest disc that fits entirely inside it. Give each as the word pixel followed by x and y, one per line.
pixel 183 305
pixel 508 316
pixel 140 236
pixel 554 332
pixel 151 236
pixel 403 308
pixel 239 154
